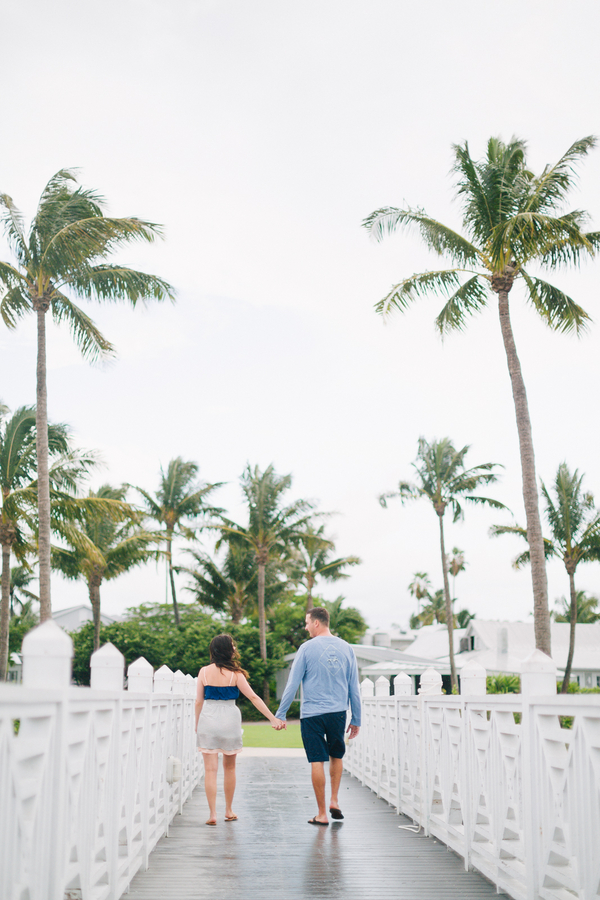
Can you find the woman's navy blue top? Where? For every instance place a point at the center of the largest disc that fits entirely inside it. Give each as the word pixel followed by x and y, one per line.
pixel 229 692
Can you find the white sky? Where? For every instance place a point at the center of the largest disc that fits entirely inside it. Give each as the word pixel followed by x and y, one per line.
pixel 261 134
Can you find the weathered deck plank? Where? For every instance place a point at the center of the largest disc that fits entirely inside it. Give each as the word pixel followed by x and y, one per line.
pixel 272 853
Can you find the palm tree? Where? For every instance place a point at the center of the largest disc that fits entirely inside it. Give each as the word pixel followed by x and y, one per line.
pixel 64 257
pixel 463 617
pixel 575 527
pixel 456 564
pixel 442 479
pixel 345 622
pixel 20 578
pixel 420 588
pixel 228 588
pixel 587 606
pixel 512 218
pixel 178 503
pixel 313 560
pixel 271 532
pixel 435 610
pixel 107 542
pixel 18 499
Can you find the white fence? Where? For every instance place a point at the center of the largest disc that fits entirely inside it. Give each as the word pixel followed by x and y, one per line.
pixel 89 784
pixel 495 777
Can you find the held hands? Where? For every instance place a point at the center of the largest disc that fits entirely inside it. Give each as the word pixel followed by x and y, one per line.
pixel 352 731
pixel 278 724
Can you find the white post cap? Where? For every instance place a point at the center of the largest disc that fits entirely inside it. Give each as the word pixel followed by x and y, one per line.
pixel 107 667
pixel 367 688
pixel 538 674
pixel 140 675
pixel 473 679
pixel 431 682
pixel 163 680
pixel 403 685
pixel 190 687
pixel 382 687
pixel 47 654
pixel 179 685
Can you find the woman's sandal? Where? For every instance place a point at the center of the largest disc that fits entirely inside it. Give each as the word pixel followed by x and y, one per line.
pixel 210 822
pixel 230 818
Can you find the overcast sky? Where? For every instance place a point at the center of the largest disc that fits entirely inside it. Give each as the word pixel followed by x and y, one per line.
pixel 261 134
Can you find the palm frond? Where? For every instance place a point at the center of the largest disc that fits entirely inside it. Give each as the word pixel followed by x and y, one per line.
pixel 552 186
pixel 13 222
pixel 92 344
pixel 78 243
pixel 436 236
pixel 527 235
pixel 466 301
pixel 14 305
pixel 113 283
pixel 559 310
pixel 406 292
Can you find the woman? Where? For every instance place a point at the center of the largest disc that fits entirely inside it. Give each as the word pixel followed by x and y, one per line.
pixel 219 721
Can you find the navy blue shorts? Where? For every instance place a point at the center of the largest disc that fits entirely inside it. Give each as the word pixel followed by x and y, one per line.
pixel 323 736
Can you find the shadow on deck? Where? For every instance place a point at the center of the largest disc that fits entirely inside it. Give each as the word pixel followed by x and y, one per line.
pixel 272 853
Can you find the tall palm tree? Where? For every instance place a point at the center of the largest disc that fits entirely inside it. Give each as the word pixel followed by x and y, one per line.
pixel 345 621
pixel 272 530
pixel 20 578
pixel 227 588
pixel 313 561
pixel 107 542
pixel 513 219
pixel 62 258
pixel 575 527
pixel 456 565
pixel 442 479
pixel 19 495
pixel 420 588
pixel 178 504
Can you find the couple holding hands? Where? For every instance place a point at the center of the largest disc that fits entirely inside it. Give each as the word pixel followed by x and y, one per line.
pixel 326 667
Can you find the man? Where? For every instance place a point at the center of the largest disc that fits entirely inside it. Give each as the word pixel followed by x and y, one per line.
pixel 326 666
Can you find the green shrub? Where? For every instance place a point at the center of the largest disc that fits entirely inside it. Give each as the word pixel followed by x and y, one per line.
pixel 503 684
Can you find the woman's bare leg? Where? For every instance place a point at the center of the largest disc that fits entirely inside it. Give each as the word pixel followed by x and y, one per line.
pixel 211 764
pixel 229 782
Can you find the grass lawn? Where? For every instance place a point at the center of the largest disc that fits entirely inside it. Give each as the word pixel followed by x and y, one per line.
pixel 257 734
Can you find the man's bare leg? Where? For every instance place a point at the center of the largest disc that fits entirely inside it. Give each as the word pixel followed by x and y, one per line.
pixel 336 767
pixel 318 783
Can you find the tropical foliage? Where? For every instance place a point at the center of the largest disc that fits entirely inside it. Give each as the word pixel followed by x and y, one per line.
pixel 515 222
pixel 312 558
pixel 443 480
pixel 63 258
pixel 574 525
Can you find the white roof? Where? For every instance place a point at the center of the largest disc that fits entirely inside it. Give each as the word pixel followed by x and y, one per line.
pixel 432 641
pixel 72 618
pixel 390 668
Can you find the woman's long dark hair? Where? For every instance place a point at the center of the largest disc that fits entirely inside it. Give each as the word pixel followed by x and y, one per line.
pixel 224 654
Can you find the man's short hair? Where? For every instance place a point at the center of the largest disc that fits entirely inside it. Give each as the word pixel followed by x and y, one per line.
pixel 321 614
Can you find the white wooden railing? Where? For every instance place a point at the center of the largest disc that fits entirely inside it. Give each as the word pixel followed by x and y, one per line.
pixel 495 777
pixel 90 782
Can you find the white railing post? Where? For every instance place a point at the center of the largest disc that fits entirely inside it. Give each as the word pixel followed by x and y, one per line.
pixel 190 687
pixel 163 680
pixel 107 666
pixel 431 683
pixel 430 686
pixel 403 685
pixel 367 688
pixel 140 675
pixel 538 679
pixel 47 655
pixel 473 679
pixel 382 687
pixel 179 685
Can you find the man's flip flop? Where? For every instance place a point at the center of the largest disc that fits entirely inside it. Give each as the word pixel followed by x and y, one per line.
pixel 230 818
pixel 335 813
pixel 315 821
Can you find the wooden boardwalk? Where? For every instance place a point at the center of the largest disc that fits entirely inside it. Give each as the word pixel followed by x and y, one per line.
pixel 271 853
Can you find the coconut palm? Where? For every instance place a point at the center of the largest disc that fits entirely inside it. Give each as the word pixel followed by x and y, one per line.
pixel 178 505
pixel 229 588
pixel 587 609
pixel 513 220
pixel 107 542
pixel 345 621
pixel 575 528
pixel 435 610
pixel 63 258
pixel 456 564
pixel 272 530
pixel 442 479
pixel 19 495
pixel 420 588
pixel 313 561
pixel 20 578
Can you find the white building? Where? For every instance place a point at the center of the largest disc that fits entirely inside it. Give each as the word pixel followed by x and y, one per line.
pixel 75 617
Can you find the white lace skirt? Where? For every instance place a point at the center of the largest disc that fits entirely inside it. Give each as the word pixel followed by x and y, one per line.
pixel 220 727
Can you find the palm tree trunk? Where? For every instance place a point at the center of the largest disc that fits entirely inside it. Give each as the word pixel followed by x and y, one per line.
pixel 309 598
pixel 172 577
pixel 94 594
pixel 530 492
pixel 41 439
pixel 262 624
pixel 572 631
pixel 4 611
pixel 449 618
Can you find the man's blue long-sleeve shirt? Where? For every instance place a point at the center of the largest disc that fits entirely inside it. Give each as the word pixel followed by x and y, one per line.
pixel 326 666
